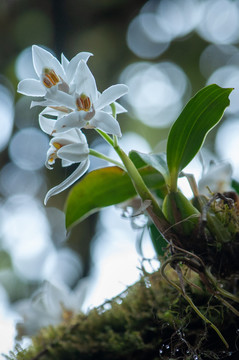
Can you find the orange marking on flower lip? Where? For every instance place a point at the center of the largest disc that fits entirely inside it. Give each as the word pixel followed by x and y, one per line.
pixel 83 103
pixel 51 160
pixel 50 78
pixel 57 145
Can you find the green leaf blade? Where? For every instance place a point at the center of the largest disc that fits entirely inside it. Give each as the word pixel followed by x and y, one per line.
pixel 104 187
pixel 188 132
pixel 157 161
pixel 159 242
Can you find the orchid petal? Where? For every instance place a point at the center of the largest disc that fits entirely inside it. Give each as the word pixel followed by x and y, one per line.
pixel 61 98
pixel 110 95
pixel 31 87
pixel 42 103
pixel 106 122
pixel 68 137
pixel 72 66
pixel 48 297
pixel 119 108
pixel 65 163
pixel 74 152
pixel 80 170
pixel 44 59
pixel 85 81
pixel 217 179
pixel 51 112
pixel 80 135
pixel 47 125
pixel 73 120
pixel 64 62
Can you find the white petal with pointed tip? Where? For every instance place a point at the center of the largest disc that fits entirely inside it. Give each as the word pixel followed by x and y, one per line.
pixel 119 108
pixel 80 170
pixel 72 66
pixel 64 61
pixel 106 122
pixel 65 163
pixel 111 94
pixel 31 87
pixel 85 81
pixel 44 59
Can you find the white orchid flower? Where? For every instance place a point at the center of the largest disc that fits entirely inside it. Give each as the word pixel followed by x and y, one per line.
pixel 217 179
pixel 52 75
pixel 59 300
pixel 87 108
pixel 71 147
pixel 50 305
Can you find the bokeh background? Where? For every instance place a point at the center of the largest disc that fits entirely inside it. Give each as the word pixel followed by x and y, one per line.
pixel 165 51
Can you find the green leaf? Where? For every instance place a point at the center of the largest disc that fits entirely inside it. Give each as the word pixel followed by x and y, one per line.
pixel 188 132
pixel 235 185
pixel 158 240
pixel 105 187
pixel 157 161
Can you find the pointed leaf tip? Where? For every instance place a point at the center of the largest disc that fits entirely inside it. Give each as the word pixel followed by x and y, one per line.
pixel 188 132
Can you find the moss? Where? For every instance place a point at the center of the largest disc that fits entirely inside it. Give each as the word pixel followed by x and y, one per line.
pixel 149 321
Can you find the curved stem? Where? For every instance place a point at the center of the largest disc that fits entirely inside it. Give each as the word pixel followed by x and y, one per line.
pixel 105 137
pixel 219 290
pixel 113 108
pixel 115 140
pixel 194 307
pixel 228 305
pixel 153 210
pixel 136 178
pixel 104 157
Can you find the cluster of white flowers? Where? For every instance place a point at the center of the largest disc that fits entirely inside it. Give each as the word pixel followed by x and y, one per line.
pixel 71 102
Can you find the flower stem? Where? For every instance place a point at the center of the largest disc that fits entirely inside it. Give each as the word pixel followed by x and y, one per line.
pixel 104 157
pixel 115 140
pixel 113 108
pixel 105 137
pixel 153 210
pixel 173 181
